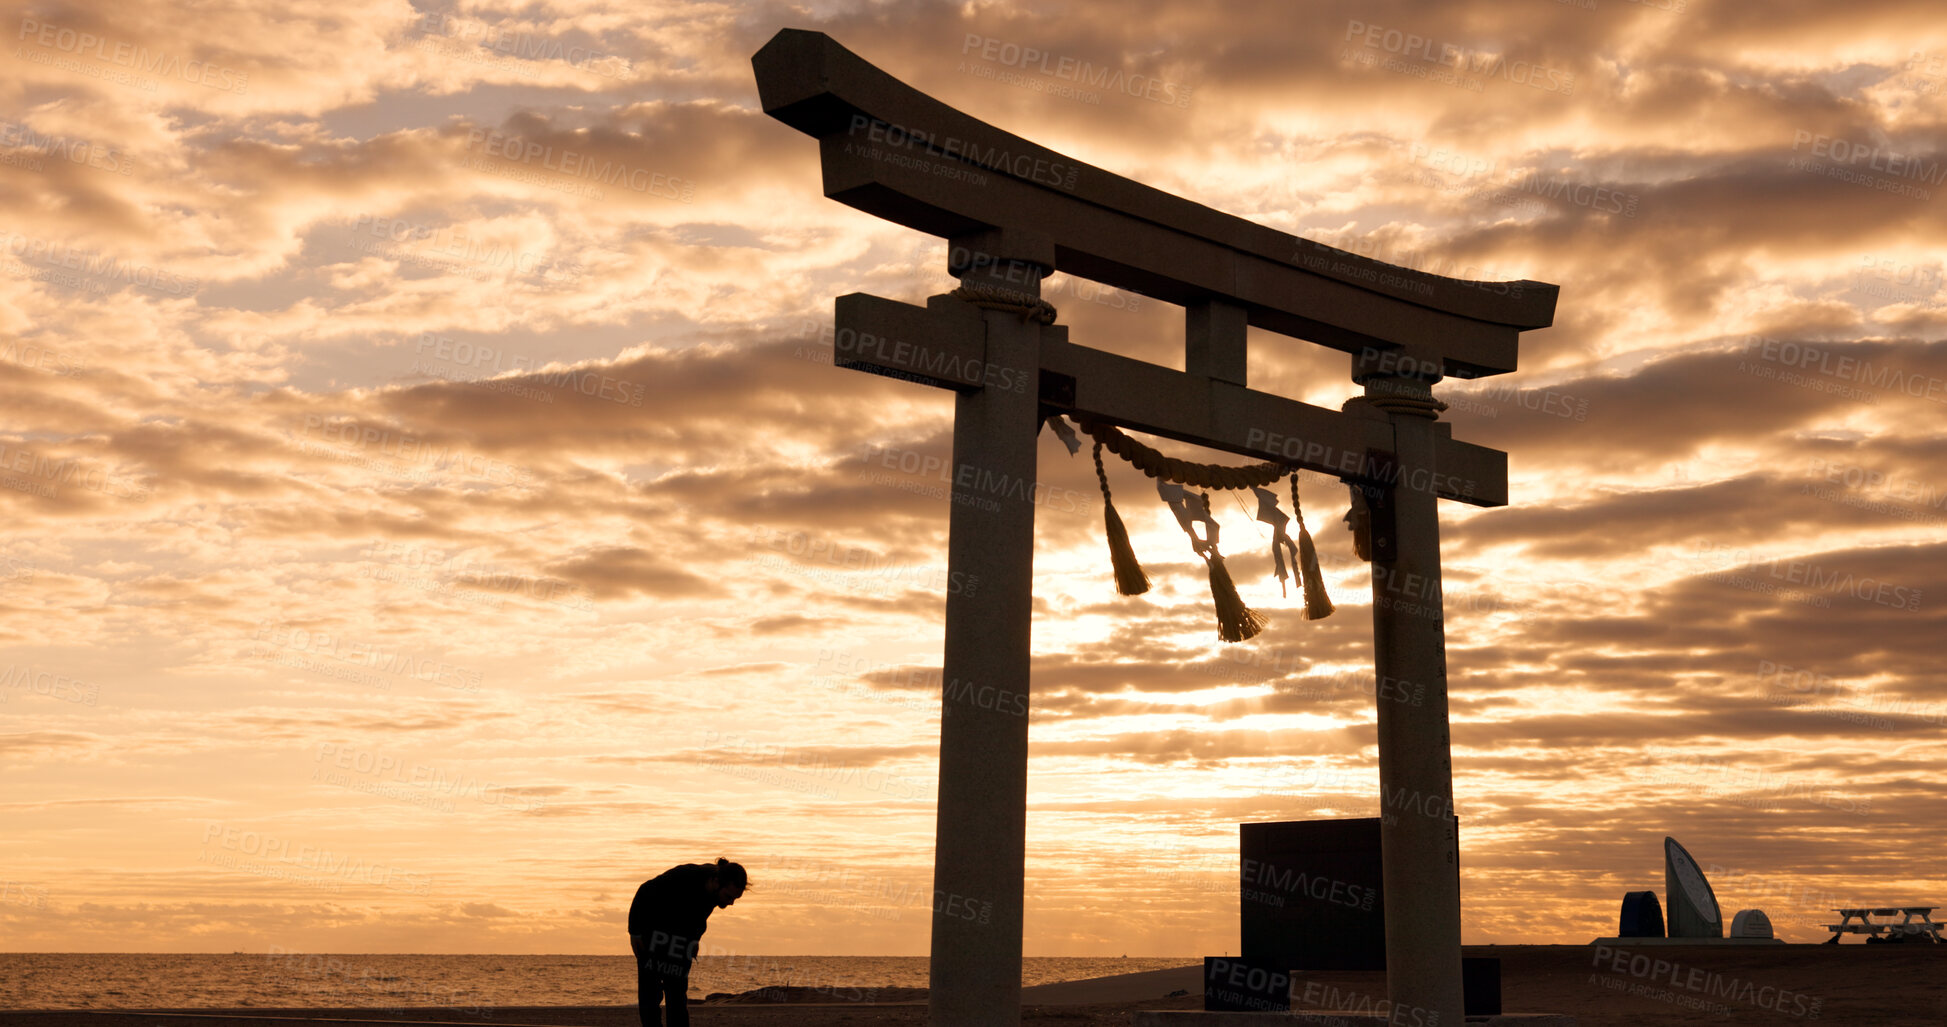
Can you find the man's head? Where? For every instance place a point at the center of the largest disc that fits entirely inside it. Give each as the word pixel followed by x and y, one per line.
pixel 727 883
pixel 727 895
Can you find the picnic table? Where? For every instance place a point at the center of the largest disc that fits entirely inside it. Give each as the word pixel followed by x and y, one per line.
pixel 1925 929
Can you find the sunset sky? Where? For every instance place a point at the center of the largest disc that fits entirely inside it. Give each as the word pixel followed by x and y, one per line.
pixel 416 544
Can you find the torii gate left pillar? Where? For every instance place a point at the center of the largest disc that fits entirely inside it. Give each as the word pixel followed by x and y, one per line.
pixel 980 839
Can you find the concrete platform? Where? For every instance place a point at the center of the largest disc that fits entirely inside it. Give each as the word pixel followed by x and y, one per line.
pixel 1136 987
pixel 1711 942
pixel 1326 1018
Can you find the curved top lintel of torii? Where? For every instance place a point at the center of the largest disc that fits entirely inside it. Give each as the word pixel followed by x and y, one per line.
pixel 893 151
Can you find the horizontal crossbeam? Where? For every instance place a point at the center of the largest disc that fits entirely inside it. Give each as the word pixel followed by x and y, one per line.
pixel 893 151
pixel 944 344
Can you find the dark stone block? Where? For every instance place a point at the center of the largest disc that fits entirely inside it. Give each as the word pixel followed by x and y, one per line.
pixel 1232 984
pixel 1310 897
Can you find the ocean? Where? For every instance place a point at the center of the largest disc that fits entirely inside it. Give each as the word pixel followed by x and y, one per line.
pixel 123 980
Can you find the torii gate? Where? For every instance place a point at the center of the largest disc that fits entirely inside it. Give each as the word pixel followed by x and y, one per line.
pixel 1014 212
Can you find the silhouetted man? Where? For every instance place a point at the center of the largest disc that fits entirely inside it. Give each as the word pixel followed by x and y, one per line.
pixel 670 912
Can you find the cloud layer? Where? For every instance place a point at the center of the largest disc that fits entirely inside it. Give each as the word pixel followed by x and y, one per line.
pixel 435 510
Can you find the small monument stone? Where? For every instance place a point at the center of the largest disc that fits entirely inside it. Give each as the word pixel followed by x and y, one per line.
pixel 1694 912
pixel 1642 916
pixel 1751 923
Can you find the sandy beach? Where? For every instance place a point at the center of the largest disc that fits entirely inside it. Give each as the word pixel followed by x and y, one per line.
pixel 1895 986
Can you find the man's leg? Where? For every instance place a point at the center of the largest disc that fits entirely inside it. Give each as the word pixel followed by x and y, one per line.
pixel 676 991
pixel 648 984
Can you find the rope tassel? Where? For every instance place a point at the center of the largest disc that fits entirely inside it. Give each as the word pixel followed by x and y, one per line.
pixel 1318 605
pixel 1129 577
pixel 1358 521
pixel 1235 621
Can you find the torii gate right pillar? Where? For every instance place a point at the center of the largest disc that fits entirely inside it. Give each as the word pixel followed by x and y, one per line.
pixel 1418 837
